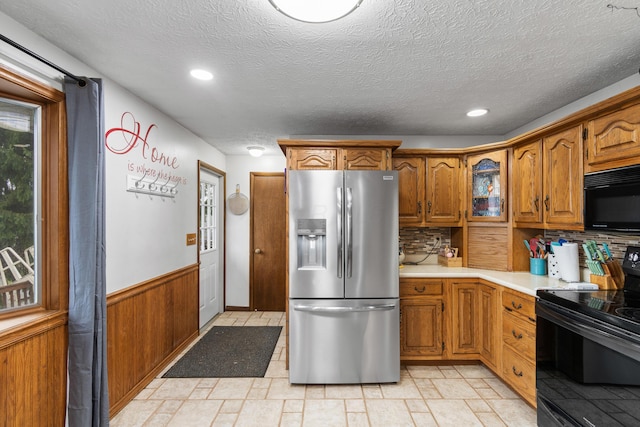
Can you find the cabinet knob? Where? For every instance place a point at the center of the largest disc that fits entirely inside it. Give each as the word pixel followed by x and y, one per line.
pixel 516 336
pixel 515 372
pixel 429 207
pixel 257 251
pixel 415 288
pixel 546 203
pixel 536 202
pixel 420 208
pixel 517 307
pixel 502 205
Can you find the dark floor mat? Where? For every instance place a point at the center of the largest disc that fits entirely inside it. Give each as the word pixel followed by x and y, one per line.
pixel 228 351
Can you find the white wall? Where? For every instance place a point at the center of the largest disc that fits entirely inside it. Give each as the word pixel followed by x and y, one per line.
pixel 239 169
pixel 595 97
pixel 145 234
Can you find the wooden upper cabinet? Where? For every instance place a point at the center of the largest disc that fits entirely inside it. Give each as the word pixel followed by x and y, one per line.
pixel 527 183
pixel 487 186
pixel 443 190
pixel 338 154
pixel 563 179
pixel 613 140
pixel 312 158
pixel 366 159
pixel 411 189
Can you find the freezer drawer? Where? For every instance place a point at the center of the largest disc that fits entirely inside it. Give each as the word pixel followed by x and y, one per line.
pixel 344 341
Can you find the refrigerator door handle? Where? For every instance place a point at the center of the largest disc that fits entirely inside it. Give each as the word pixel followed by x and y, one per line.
pixel 315 308
pixel 339 229
pixel 349 232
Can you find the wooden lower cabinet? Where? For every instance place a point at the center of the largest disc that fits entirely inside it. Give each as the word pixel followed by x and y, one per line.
pixel 519 343
pixel 472 320
pixel 489 318
pixel 465 317
pixel 421 319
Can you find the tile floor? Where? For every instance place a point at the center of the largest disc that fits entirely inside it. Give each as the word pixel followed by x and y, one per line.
pixel 461 395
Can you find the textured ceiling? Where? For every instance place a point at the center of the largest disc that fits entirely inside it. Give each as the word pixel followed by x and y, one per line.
pixel 411 67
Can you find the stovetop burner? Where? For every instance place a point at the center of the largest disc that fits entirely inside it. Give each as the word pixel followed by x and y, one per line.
pixel 629 313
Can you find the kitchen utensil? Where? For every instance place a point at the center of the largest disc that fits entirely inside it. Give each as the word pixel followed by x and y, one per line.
pixel 526 243
pixel 606 250
pixel 533 244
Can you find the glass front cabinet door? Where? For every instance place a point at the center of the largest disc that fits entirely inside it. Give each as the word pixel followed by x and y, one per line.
pixel 487 186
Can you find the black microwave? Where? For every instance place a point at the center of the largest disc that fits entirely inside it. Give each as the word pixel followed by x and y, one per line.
pixel 612 200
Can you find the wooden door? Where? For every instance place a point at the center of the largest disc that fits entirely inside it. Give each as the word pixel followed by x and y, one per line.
pixel 411 189
pixel 527 183
pixel 563 178
pixel 366 158
pixel 312 158
pixel 465 322
pixel 443 190
pixel 614 140
pixel 489 325
pixel 421 327
pixel 268 242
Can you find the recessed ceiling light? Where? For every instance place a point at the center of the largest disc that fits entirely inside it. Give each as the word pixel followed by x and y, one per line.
pixel 201 74
pixel 316 11
pixel 477 113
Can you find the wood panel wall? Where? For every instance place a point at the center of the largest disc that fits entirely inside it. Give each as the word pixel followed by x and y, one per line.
pixel 147 326
pixel 33 370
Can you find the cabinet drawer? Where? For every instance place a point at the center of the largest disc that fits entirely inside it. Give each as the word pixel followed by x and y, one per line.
pixel 519 303
pixel 520 335
pixel 416 287
pixel 519 373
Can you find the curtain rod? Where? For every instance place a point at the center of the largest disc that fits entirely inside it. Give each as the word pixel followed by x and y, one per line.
pixel 32 54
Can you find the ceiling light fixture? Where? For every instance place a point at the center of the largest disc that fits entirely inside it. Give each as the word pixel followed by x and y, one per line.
pixel 201 74
pixel 316 11
pixel 255 150
pixel 477 113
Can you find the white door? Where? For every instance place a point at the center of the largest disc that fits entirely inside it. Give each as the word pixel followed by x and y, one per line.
pixel 210 240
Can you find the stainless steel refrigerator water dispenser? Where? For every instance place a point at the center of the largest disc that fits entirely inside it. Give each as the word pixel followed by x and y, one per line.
pixel 312 244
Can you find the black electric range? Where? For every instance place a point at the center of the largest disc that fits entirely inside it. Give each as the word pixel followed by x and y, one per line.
pixel 588 353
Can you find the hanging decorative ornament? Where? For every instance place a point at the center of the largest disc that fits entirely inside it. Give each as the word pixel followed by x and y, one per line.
pixel 238 203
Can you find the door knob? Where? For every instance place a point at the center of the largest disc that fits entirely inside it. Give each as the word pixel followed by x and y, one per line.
pixel 258 251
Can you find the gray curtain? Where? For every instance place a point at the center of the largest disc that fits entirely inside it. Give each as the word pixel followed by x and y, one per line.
pixel 88 403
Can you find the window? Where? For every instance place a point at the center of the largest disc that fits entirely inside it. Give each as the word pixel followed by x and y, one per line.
pixel 208 216
pixel 19 154
pixel 33 197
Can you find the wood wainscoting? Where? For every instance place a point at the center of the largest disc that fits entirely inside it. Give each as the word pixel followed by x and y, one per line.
pixel 148 325
pixel 33 370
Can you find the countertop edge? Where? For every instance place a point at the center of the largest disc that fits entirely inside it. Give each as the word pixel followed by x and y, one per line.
pixel 521 281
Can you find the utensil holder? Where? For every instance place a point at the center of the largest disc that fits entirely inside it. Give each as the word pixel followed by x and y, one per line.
pixel 603 282
pixel 538 266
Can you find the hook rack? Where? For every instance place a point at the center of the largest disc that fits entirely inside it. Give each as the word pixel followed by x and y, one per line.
pixel 138 184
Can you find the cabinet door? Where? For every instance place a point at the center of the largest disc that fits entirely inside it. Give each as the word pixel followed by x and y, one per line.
pixel 421 327
pixel 527 183
pixel 312 158
pixel 443 194
pixel 489 324
pixel 563 178
pixel 466 320
pixel 366 158
pixel 487 186
pixel 411 189
pixel 614 140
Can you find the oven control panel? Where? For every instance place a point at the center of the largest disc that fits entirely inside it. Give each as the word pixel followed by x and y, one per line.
pixel 631 262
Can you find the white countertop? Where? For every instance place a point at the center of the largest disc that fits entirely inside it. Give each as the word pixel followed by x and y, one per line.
pixel 521 281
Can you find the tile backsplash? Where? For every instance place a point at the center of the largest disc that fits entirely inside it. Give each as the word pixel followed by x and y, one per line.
pixel 419 242
pixel 617 242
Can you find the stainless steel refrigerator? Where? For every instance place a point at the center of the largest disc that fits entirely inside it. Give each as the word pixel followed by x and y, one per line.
pixel 344 315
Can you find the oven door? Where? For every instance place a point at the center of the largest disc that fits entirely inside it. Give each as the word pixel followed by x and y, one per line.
pixel 587 371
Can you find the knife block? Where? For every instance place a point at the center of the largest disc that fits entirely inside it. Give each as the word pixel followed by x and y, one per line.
pixel 603 282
